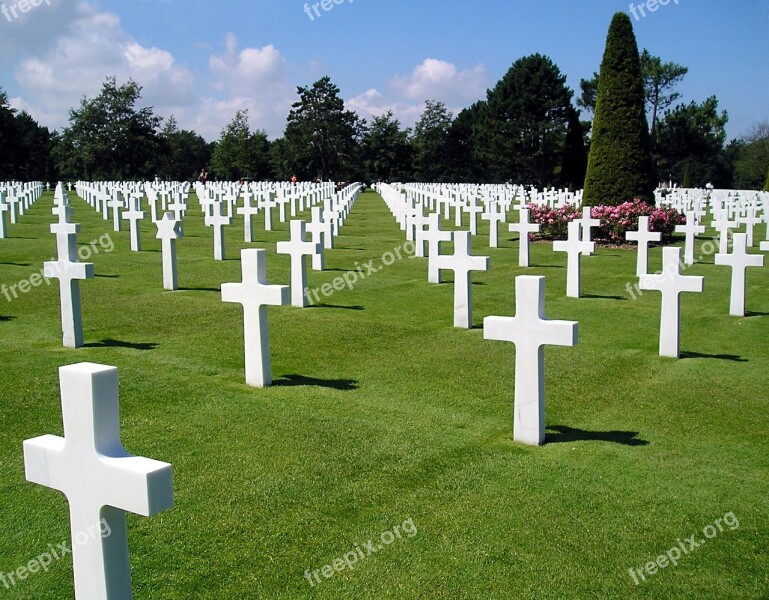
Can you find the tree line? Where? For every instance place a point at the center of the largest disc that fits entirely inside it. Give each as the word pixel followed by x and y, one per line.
pixel 528 130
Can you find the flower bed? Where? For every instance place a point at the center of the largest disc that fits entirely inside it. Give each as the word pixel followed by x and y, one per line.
pixel 615 221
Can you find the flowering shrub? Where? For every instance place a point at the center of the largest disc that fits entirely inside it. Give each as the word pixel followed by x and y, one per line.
pixel 615 220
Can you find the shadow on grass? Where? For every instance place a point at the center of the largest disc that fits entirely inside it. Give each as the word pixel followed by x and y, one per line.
pixel 6 319
pixel 108 276
pixel 13 264
pixel 569 434
pixel 754 313
pixel 599 297
pixel 110 343
pixel 199 289
pixel 731 357
pixel 337 306
pixel 344 385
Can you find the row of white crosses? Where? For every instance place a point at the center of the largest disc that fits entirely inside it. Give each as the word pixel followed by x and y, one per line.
pixel 528 330
pixel 19 197
pixel 15 200
pixel 100 480
pixel 255 294
pixel 671 282
pixel 68 270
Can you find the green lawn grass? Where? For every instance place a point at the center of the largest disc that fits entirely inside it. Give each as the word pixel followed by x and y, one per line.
pixel 383 412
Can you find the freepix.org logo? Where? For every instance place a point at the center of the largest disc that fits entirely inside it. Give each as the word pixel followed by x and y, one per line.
pixel 12 12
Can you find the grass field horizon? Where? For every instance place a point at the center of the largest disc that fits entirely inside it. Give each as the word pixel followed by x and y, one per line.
pixel 382 412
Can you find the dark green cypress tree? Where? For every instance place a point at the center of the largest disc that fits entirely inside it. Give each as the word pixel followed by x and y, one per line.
pixel 766 185
pixel 619 165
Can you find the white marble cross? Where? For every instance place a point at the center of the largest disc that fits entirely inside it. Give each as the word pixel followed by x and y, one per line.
pixel 462 262
pixel 750 220
pixel 691 229
pixel 494 216
pixel 671 283
pixel 575 248
pixel 248 211
pixel 722 225
pixel 588 222
pixel 134 215
pixel 643 236
pixel 530 332
pixel 116 204
pixel 433 235
pixel 256 295
pixel 739 260
pixel 298 248
pixel 473 210
pixel 268 203
pixel 317 229
pixel 217 220
pixel 3 221
pixel 168 233
pixel 101 481
pixel 69 272
pixel 523 228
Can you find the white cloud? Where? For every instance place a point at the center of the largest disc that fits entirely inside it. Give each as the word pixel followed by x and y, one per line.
pixel 431 80
pixel 92 48
pixel 253 79
pixel 372 104
pixel 439 80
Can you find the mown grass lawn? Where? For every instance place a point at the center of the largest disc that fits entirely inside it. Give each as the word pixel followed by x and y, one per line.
pixel 383 412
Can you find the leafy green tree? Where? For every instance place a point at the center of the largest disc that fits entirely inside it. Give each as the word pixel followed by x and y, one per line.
pixel 280 161
pixel 589 88
pixel 108 138
pixel 322 138
pixel 463 144
pixel 574 164
pixel 386 150
pixel 766 185
pixel 430 143
pixel 659 80
pixel 33 161
pixel 9 139
pixel 528 112
pixel 239 153
pixel 186 153
pixel 692 137
pixel 752 158
pixel 619 164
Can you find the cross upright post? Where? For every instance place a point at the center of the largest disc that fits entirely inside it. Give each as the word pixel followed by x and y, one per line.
pixel 256 295
pixel 523 228
pixel 671 283
pixel 101 481
pixel 462 262
pixel 643 236
pixel 530 332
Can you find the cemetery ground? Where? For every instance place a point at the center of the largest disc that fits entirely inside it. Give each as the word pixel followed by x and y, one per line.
pixel 382 412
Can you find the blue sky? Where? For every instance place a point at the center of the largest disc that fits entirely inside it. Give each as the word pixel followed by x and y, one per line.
pixel 202 60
